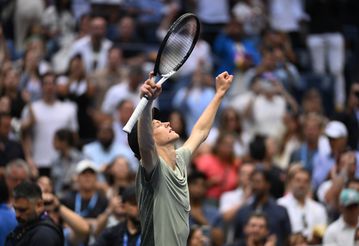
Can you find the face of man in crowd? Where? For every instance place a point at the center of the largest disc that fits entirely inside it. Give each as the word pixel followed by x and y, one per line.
pixel 98 28
pixel 15 176
pixel 197 189
pixel 311 130
pixel 245 173
pixel 105 135
pixel 256 228
pixel 260 186
pixel 125 111
pixel 48 86
pixel 27 210
pixel 5 126
pixel 87 180
pixel 300 184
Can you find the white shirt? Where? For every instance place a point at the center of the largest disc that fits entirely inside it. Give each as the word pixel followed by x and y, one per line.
pixel 211 11
pixel 83 46
pixel 116 94
pixel 230 199
pixel 339 234
pixel 286 14
pixel 268 115
pixel 48 119
pixel 304 219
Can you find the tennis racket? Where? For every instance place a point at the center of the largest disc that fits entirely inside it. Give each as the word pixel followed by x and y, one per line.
pixel 175 49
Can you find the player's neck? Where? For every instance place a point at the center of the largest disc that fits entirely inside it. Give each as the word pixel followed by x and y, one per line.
pixel 168 154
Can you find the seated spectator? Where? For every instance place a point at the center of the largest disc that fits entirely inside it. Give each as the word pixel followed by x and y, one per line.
pixel 127 232
pixel 9 148
pixel 304 213
pixel 277 216
pixel 197 236
pixel 35 226
pixel 256 232
pixel 231 201
pixel 122 114
pixel 312 143
pixel 104 149
pixel 230 121
pixel 342 231
pixel 323 162
pixel 16 172
pixel 87 202
pixel 220 167
pixel 202 213
pixel 64 166
pixel 262 150
pixel 75 228
pixel 7 214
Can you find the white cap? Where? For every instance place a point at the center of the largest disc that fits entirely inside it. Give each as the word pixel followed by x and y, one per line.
pixel 336 129
pixel 85 164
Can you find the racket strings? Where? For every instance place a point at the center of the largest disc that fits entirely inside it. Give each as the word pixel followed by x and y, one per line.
pixel 178 46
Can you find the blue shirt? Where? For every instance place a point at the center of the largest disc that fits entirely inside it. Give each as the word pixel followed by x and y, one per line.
pixel 7 222
pixel 95 152
pixel 277 216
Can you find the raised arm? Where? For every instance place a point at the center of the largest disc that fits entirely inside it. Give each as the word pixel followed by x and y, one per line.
pixel 204 123
pixel 149 157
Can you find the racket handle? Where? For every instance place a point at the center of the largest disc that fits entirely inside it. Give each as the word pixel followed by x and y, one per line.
pixel 135 115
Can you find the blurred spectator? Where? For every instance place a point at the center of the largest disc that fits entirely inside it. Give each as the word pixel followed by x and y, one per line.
pixel 118 176
pixel 231 201
pixel 93 47
pixel 43 118
pixel 123 113
pixel 213 16
pixel 76 87
pixel 64 165
pixel 220 167
pixel 45 184
pixel 9 148
pixel 75 228
pixel 268 106
pixel 290 141
pixel 312 141
pixel 326 42
pixel 16 172
pixel 202 213
pixel 252 14
pixel 304 213
pixel 35 226
pixel 342 231
pixel 257 232
pixel 87 202
pixel 262 150
pixel 312 102
pixel 10 90
pixel 128 41
pixel 8 217
pixel 104 149
pixel 287 16
pixel 233 51
pixel 127 232
pixel 193 99
pixel 342 172
pixel 4 52
pixel 349 116
pixel 277 216
pixel 27 14
pixel 30 84
pixel 197 236
pixel 323 162
pixel 128 89
pixel 230 121
pixel 109 76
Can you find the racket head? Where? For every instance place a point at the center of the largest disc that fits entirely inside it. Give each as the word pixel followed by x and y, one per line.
pixel 177 45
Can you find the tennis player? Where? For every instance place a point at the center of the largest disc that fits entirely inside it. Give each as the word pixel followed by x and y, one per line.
pixel 161 181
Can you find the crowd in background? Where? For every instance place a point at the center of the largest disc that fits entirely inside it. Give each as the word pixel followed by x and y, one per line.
pixel 281 165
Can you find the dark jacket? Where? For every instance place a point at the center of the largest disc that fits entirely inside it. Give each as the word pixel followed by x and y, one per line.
pixel 37 233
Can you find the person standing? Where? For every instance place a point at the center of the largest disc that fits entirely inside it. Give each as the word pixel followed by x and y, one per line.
pixel 161 183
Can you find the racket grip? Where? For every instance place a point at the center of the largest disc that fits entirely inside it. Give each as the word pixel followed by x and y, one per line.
pixel 135 115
